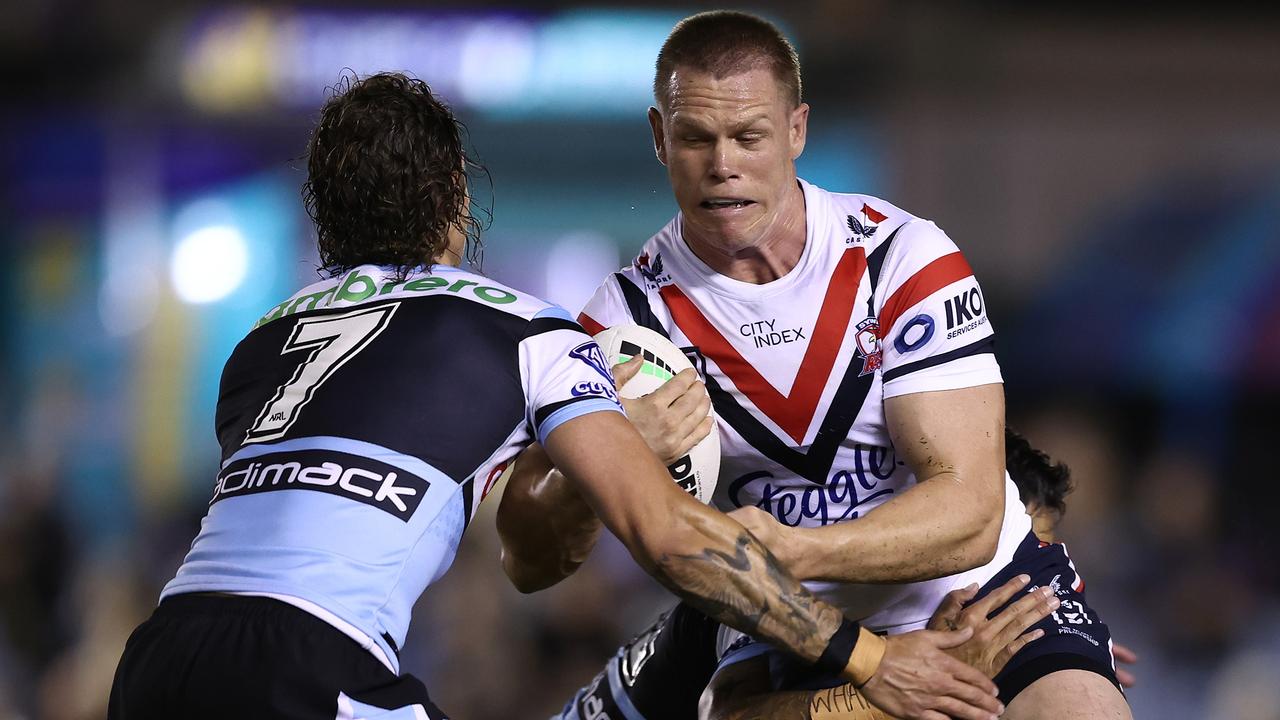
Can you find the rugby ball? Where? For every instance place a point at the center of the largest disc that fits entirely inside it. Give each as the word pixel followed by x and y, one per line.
pixel 698 471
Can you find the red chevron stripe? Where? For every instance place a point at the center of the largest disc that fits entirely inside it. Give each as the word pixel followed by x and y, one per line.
pixel 793 412
pixel 928 280
pixel 589 324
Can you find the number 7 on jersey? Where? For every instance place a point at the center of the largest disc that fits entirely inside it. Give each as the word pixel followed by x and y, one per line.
pixel 332 340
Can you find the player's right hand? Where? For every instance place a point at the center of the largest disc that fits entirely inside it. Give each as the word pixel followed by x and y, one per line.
pixel 1123 654
pixel 998 638
pixel 918 680
pixel 671 419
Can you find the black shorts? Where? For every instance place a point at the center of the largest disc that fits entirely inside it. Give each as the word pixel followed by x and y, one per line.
pixel 659 674
pixel 1075 638
pixel 217 656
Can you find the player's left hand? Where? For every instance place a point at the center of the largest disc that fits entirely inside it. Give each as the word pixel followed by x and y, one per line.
pixel 995 639
pixel 671 419
pixel 767 530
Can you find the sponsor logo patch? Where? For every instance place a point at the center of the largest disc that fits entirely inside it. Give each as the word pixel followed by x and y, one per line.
pixel 651 270
pixel 356 287
pixel 865 228
pixel 844 496
pixel 594 389
pixel 377 484
pixel 591 354
pixel 766 332
pixel 915 334
pixel 965 312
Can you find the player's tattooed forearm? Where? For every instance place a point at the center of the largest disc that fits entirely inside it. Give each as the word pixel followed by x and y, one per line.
pixel 748 589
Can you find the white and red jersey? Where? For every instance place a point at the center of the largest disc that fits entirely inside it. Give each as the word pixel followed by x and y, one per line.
pixel 881 303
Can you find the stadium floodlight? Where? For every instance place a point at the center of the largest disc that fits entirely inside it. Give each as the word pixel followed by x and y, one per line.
pixel 209 263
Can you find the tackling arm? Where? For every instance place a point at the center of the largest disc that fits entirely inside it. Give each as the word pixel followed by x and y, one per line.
pixel 949 522
pixel 547 529
pixel 700 554
pixel 719 567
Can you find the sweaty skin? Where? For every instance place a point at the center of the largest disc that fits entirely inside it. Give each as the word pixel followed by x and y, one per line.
pixel 735 138
pixel 953 440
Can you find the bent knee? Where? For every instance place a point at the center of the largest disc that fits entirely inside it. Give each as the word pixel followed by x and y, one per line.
pixel 733 690
pixel 1069 695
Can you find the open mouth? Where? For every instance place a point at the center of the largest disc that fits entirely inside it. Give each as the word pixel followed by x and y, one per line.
pixel 725 203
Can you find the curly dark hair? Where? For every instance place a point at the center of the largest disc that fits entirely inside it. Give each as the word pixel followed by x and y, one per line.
pixel 1039 479
pixel 387 177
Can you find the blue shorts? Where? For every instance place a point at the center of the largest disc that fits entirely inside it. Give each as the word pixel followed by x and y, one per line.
pixel 1075 638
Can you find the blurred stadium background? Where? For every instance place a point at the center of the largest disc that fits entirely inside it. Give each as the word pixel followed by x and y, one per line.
pixel 1113 176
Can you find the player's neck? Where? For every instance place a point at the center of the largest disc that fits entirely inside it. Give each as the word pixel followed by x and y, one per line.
pixel 771 257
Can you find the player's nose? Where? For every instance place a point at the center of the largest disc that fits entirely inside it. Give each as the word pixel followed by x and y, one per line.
pixel 724 161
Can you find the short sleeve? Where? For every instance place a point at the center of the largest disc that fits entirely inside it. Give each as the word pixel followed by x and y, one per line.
pixel 933 326
pixel 607 307
pixel 564 373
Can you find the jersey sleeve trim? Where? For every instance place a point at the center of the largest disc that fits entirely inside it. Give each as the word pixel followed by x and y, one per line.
pixel 540 325
pixel 553 311
pixel 589 324
pixel 556 414
pixel 638 305
pixel 928 280
pixel 985 345
pixel 959 374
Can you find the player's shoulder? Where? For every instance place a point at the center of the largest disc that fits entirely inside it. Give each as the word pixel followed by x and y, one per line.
pixel 885 227
pixel 369 284
pixel 865 208
pixel 651 266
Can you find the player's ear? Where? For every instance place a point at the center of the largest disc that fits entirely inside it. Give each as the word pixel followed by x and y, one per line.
pixel 659 138
pixel 799 129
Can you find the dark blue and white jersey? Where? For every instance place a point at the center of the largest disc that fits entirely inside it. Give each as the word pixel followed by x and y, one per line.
pixel 362 421
pixel 880 304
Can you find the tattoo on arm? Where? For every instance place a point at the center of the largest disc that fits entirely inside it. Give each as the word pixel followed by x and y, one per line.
pixel 844 702
pixel 749 590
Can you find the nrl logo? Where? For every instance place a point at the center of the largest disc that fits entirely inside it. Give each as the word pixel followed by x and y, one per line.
pixel 865 231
